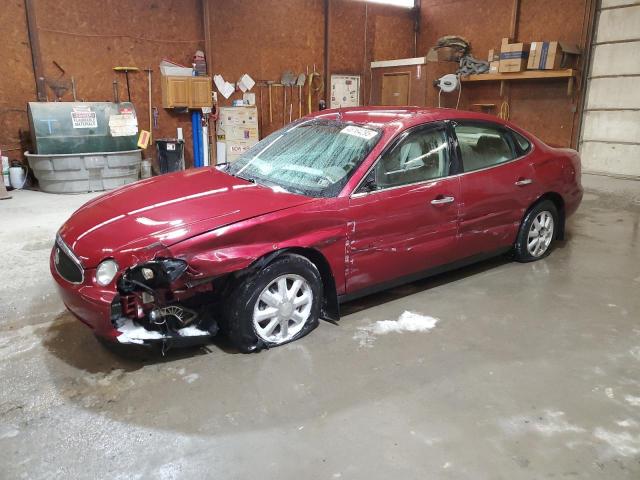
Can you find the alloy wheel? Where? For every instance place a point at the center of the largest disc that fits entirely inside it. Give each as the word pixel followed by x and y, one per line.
pixel 282 309
pixel 540 234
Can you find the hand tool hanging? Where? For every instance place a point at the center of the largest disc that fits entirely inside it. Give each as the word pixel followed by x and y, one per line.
pixel 288 80
pixel 149 70
pixel 311 89
pixel 126 71
pixel 300 83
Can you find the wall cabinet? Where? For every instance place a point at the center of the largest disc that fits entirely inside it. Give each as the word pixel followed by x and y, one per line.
pixel 186 92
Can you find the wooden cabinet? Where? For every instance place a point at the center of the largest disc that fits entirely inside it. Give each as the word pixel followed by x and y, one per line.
pixel 200 92
pixel 189 92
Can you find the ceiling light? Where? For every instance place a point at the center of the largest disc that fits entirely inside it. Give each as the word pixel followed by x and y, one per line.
pixel 398 3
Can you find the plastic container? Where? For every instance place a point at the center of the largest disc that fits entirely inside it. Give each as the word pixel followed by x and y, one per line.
pixel 170 154
pixel 18 177
pixel 84 172
pixel 82 127
pixel 5 171
pixel 145 169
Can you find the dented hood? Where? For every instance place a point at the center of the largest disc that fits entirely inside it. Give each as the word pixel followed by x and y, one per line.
pixel 165 210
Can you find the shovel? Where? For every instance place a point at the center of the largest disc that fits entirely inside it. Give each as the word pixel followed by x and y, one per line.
pixel 302 78
pixel 288 80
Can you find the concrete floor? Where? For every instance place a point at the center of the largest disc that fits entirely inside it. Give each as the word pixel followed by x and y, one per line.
pixel 533 371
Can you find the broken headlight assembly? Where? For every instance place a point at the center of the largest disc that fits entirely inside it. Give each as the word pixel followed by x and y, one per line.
pixel 158 273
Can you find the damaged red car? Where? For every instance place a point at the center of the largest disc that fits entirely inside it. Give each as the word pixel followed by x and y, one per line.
pixel 334 206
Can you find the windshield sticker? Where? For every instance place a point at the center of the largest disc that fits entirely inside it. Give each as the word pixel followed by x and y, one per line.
pixel 359 132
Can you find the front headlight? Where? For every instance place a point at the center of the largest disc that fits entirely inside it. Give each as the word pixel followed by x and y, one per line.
pixel 106 271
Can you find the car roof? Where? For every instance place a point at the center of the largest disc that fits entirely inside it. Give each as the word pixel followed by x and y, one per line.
pixel 403 117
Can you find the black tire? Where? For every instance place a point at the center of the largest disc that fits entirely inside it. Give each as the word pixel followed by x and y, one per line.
pixel 238 310
pixel 521 251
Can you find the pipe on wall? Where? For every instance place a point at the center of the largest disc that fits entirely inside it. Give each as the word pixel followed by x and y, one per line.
pixel 36 55
pixel 327 57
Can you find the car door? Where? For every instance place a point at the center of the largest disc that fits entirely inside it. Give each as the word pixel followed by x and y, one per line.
pixel 403 217
pixel 497 185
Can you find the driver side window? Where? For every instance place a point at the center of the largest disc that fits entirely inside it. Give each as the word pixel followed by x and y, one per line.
pixel 423 155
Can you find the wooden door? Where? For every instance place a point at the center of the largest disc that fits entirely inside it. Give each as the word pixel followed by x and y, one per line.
pixel 395 88
pixel 178 91
pixel 200 92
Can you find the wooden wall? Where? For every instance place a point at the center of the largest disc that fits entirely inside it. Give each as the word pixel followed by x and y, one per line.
pixel 259 37
pixel 265 37
pixel 542 107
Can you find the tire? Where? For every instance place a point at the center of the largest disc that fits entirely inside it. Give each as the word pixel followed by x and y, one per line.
pixel 530 245
pixel 260 315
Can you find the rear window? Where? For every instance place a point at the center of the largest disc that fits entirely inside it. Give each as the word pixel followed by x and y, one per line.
pixel 483 146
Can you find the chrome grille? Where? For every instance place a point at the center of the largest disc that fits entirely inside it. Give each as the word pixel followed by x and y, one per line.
pixel 67 265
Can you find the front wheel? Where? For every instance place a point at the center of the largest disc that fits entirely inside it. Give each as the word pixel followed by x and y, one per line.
pixel 275 305
pixel 537 232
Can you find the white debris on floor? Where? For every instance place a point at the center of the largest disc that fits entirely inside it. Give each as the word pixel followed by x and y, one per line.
pixel 407 322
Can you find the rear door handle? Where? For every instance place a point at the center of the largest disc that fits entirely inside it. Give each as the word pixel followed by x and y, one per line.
pixel 442 200
pixel 524 181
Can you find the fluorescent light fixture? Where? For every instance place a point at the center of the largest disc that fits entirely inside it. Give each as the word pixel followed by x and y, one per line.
pixel 398 3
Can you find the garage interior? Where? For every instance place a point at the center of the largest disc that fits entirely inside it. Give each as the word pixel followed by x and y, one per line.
pixel 531 371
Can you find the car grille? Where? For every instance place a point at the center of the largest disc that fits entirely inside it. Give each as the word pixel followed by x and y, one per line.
pixel 67 265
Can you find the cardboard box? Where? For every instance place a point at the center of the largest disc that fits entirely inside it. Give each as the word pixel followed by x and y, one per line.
pixel 493 56
pixel 236 131
pixel 494 67
pixel 513 56
pixel 552 55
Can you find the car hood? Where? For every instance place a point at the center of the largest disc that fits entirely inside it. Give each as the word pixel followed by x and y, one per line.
pixel 165 210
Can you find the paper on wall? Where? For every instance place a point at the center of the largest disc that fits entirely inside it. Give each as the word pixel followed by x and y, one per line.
pixel 225 88
pixel 246 83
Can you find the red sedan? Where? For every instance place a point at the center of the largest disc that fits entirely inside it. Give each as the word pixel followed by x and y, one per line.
pixel 335 206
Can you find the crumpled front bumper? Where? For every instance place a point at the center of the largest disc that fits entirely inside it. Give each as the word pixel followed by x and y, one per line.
pixel 98 307
pixel 90 303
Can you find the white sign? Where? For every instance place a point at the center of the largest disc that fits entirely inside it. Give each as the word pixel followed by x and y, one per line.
pixel 84 118
pixel 123 125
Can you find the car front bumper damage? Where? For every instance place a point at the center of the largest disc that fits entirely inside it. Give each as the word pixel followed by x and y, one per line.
pixel 135 313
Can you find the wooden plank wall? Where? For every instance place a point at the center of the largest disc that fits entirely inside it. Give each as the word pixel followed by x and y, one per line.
pixel 542 107
pixel 258 37
pixel 264 38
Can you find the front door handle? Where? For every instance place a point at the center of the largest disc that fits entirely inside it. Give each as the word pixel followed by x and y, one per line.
pixel 442 200
pixel 524 181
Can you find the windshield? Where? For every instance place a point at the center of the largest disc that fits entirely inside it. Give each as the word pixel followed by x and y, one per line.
pixel 310 157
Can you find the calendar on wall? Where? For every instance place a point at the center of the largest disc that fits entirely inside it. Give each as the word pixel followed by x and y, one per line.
pixel 345 91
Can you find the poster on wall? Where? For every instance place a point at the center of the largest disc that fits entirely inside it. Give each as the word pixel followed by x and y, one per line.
pixel 345 91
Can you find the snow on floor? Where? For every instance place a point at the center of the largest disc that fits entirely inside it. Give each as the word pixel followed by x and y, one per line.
pixel 407 322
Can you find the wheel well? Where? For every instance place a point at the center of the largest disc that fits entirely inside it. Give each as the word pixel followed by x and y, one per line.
pixel 558 201
pixel 330 306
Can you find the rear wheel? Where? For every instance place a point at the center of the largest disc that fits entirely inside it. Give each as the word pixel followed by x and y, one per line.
pixel 537 232
pixel 275 305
